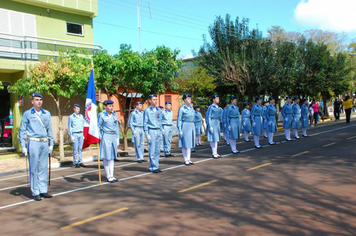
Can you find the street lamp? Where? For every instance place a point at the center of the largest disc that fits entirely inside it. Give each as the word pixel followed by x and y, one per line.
pixel 352 83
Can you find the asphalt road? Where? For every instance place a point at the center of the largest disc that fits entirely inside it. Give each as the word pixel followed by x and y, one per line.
pixel 304 187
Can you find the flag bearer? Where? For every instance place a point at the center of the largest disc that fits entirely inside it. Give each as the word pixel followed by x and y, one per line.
pixel 75 131
pixel 136 126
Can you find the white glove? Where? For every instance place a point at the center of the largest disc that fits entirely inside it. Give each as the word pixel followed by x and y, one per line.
pixel 72 138
pixel 118 140
pixel 254 124
pixel 162 130
pixel 270 122
pixel 211 129
pixel 83 137
pixel 148 138
pixel 50 150
pixel 181 134
pixel 286 119
pixel 135 134
pixel 229 127
pixel 244 123
pixel 24 151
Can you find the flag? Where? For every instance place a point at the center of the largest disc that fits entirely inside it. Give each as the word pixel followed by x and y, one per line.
pixel 91 131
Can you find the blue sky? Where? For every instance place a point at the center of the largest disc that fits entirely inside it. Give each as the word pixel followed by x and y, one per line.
pixel 181 24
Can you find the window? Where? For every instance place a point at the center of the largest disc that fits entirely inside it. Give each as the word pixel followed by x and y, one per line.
pixel 73 28
pixel 167 98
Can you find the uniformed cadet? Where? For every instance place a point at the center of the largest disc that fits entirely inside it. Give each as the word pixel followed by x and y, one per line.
pixel 213 125
pixel 162 145
pixel 198 125
pixel 37 127
pixel 271 120
pixel 246 121
pixel 223 122
pixel 136 126
pixel 265 123
pixel 256 120
pixel 167 122
pixel 296 117
pixel 186 129
pixel 75 131
pixel 108 125
pixel 233 123
pixel 304 117
pixel 152 126
pixel 287 113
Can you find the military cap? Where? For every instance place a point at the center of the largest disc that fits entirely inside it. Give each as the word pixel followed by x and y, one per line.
pixel 246 104
pixel 232 98
pixel 186 96
pixel 196 107
pixel 258 98
pixel 108 102
pixel 168 103
pixel 152 95
pixel 37 95
pixel 138 103
pixel 271 98
pixel 77 105
pixel 214 96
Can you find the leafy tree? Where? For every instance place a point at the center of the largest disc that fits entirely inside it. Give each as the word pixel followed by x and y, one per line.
pixel 136 74
pixel 65 78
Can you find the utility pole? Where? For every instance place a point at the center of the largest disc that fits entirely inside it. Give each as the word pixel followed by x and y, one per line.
pixel 139 25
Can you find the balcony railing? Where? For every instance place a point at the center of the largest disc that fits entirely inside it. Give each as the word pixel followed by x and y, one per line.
pixel 28 48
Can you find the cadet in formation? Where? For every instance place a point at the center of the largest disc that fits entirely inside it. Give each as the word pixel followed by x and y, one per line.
pixel 304 117
pixel 167 122
pixel 136 126
pixel 198 125
pixel 152 126
pixel 246 121
pixel 296 117
pixel 186 129
pixel 287 113
pixel 36 126
pixel 265 123
pixel 108 125
pixel 162 146
pixel 213 125
pixel 256 120
pixel 271 120
pixel 75 131
pixel 223 122
pixel 233 122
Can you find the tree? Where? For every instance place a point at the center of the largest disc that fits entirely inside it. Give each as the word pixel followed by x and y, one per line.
pixel 195 81
pixel 136 75
pixel 62 79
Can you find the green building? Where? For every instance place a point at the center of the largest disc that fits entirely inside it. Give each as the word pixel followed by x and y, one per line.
pixel 32 31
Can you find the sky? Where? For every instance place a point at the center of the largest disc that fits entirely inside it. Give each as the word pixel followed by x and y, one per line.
pixel 182 24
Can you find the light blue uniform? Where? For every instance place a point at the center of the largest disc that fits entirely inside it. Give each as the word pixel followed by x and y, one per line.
pixel 152 125
pixel 271 119
pixel 167 122
pixel 296 116
pixel 305 116
pixel 213 120
pixel 75 130
pixel 287 112
pixel 37 149
pixel 136 125
pixel 246 120
pixel 198 123
pixel 233 121
pixel 223 120
pixel 264 114
pixel 109 133
pixel 186 125
pixel 256 117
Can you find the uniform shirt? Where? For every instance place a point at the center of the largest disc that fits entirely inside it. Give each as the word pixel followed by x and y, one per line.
pixel 32 127
pixel 185 114
pixel 167 117
pixel 136 119
pixel 108 123
pixel 296 111
pixel 271 112
pixel 304 111
pixel 75 123
pixel 287 109
pixel 197 117
pixel 152 119
pixel 257 110
pixel 232 112
pixel 214 112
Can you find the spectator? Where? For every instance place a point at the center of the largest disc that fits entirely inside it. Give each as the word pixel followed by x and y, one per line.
pixel 347 103
pixel 337 106
pixel 320 111
pixel 316 112
pixel 354 105
pixel 311 113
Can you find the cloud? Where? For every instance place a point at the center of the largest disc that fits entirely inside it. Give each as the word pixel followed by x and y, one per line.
pixel 187 56
pixel 333 15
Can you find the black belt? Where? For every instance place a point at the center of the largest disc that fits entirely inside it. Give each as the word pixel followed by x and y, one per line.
pixel 235 117
pixel 77 132
pixel 167 125
pixel 188 121
pixel 215 118
pixel 155 128
pixel 109 132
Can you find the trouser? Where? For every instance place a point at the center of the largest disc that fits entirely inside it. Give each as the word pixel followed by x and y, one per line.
pixel 310 120
pixel 321 114
pixel 214 148
pixel 38 159
pixel 348 115
pixel 109 168
pixel 167 139
pixel 186 154
pixel 287 133
pixel 316 118
pixel 337 114
pixel 77 147
pixel 270 137
pixel 232 144
pixel 154 147
pixel 139 143
pixel 246 135
pixel 256 138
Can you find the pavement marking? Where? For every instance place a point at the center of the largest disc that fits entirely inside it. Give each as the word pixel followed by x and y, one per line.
pixel 94 218
pixel 174 167
pixel 299 154
pixel 330 144
pixel 20 176
pixel 351 137
pixel 197 186
pixel 260 166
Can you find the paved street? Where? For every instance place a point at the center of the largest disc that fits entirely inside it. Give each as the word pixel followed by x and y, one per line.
pixel 304 187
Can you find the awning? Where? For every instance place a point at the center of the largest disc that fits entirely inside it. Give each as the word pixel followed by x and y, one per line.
pixel 131 95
